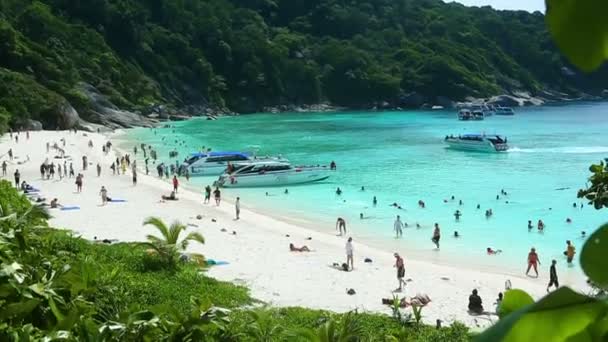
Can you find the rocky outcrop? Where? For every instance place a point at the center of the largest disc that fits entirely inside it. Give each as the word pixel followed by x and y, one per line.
pixel 32 125
pixel 105 113
pixel 67 116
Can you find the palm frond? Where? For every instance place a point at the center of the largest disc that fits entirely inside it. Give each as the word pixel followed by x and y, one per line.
pixel 159 225
pixel 174 232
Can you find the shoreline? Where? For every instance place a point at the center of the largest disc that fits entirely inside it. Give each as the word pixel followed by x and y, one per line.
pixel 258 254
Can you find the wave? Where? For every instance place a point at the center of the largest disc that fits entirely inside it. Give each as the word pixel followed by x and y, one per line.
pixel 568 149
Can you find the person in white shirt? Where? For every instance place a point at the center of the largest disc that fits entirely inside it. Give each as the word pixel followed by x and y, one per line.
pixel 349 253
pixel 398 227
pixel 237 207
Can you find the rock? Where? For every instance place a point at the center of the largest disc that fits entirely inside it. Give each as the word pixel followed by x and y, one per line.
pixel 33 125
pixel 411 100
pixel 444 102
pixel 67 116
pixel 104 112
pixel 505 101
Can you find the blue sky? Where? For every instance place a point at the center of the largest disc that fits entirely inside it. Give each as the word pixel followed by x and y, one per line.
pixel 528 5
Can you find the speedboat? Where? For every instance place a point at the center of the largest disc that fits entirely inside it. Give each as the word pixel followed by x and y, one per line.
pixel 477 142
pixel 271 173
pixel 478 115
pixel 215 163
pixel 465 115
pixel 504 111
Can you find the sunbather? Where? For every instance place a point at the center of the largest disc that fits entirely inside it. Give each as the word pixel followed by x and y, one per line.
pixel 300 249
pixel 171 197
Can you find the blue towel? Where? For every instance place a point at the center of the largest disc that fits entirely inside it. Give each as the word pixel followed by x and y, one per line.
pixel 118 200
pixel 70 208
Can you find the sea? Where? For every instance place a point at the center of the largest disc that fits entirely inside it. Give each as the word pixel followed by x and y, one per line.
pixel 400 157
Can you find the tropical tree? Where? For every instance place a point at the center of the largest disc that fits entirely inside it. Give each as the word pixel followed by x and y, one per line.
pixel 168 246
pixel 348 328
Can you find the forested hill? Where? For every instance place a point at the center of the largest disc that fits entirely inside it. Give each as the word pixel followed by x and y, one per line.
pixel 248 54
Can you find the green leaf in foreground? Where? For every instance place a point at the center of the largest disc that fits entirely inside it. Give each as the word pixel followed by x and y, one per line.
pixel 514 300
pixel 558 316
pixel 594 256
pixel 580 30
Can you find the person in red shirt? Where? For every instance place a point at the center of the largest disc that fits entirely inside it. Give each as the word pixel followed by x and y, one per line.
pixel 175 183
pixel 533 261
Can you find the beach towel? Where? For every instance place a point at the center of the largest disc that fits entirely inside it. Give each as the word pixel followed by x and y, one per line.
pixel 114 200
pixel 70 208
pixel 211 262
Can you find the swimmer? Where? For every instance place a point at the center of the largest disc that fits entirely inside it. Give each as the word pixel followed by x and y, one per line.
pixel 478 206
pixel 491 251
pixel 460 202
pixel 568 220
pixel 362 188
pixel 530 225
pixel 457 215
pixel 338 191
pixel 583 234
pixel 361 216
pixel 375 201
pixel 574 205
pixel 453 197
pixel 417 225
pixel 456 235
pixel 540 225
pixel 497 197
pixel 286 192
pixel 421 204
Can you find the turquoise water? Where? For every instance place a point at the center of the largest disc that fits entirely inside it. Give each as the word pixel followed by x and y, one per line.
pixel 400 157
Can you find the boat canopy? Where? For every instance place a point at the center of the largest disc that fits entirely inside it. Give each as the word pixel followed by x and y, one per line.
pixel 218 154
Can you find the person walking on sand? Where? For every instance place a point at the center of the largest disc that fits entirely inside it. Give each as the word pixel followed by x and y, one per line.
pixel 237 207
pixel 398 226
pixel 113 167
pixel 134 171
pixel 217 194
pixel 349 254
pixel 570 251
pixel 207 194
pixel 553 281
pixel 341 225
pixel 104 195
pixel 17 178
pixel 436 235
pixel 71 170
pixel 65 169
pixel 4 166
pixel 84 163
pixel 533 261
pixel 79 183
pixel 98 170
pixel 400 265
pixel 10 153
pixel 59 171
pixel 175 183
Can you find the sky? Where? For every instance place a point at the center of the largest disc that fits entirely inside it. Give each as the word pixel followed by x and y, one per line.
pixel 527 5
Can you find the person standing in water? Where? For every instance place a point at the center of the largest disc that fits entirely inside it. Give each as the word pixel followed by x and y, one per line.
pixel 375 201
pixel 400 265
pixel 237 207
pixel 533 261
pixel 553 281
pixel 436 235
pixel 570 251
pixel 341 225
pixel 349 254
pixel 398 227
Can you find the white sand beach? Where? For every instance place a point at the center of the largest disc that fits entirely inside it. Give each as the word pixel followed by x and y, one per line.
pixel 258 255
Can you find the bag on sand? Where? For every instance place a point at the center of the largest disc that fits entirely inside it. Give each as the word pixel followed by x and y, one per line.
pixel 345 267
pixel 351 292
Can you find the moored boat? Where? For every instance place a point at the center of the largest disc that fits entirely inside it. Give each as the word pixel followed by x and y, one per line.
pixel 504 111
pixel 477 142
pixel 271 173
pixel 215 163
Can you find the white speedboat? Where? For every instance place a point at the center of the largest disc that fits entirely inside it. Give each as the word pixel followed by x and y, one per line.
pixel 271 173
pixel 467 114
pixel 215 163
pixel 477 142
pixel 504 110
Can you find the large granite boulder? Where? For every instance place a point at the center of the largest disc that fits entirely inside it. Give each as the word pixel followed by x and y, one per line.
pixel 67 116
pixel 33 125
pixel 506 101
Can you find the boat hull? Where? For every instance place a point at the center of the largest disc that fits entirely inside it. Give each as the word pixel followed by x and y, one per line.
pixel 475 146
pixel 273 179
pixel 208 169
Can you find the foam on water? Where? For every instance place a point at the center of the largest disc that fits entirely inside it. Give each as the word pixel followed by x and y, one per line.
pixel 400 157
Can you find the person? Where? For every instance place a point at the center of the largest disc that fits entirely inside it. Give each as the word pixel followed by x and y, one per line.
pixel 553 281
pixel 457 215
pixel 349 253
pixel 570 251
pixel 207 194
pixel 171 197
pixel 398 226
pixel 65 169
pixel 217 195
pixel 436 235
pixel 293 248
pixel 400 265
pixel 583 234
pixel 362 188
pixel 541 225
pixel 421 204
pixel 475 303
pixel 332 165
pixel 10 153
pixel 530 225
pixel 237 207
pixel 175 183
pixel 341 224
pixel 491 251
pixel 4 166
pixel 498 302
pixel 17 176
pixel 568 220
pixel 497 197
pixel 286 192
pixel 375 201
pixel 134 175
pixel 533 261
pixel 84 162
pixel 113 167
pixel 79 183
pixel 338 191
pixel 98 170
pixel 104 195
pixel 71 170
pixel 459 202
pixel 456 234
pixel 59 171
pixel 574 205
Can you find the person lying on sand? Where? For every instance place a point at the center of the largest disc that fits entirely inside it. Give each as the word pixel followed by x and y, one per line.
pixel 171 197
pixel 293 248
pixel 418 300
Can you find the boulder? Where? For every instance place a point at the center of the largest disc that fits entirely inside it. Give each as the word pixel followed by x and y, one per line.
pixel 67 116
pixel 506 101
pixel 33 125
pixel 411 100
pixel 444 102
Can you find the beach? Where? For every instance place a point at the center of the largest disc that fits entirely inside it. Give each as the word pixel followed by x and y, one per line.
pixel 258 253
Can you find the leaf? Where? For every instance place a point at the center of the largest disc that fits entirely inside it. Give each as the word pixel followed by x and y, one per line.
pixel 580 30
pixel 514 300
pixel 558 316
pixel 594 255
pixel 18 309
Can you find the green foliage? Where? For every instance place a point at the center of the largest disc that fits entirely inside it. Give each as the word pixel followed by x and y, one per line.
pixel 167 247
pixel 514 300
pixel 597 192
pixel 594 256
pixel 580 30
